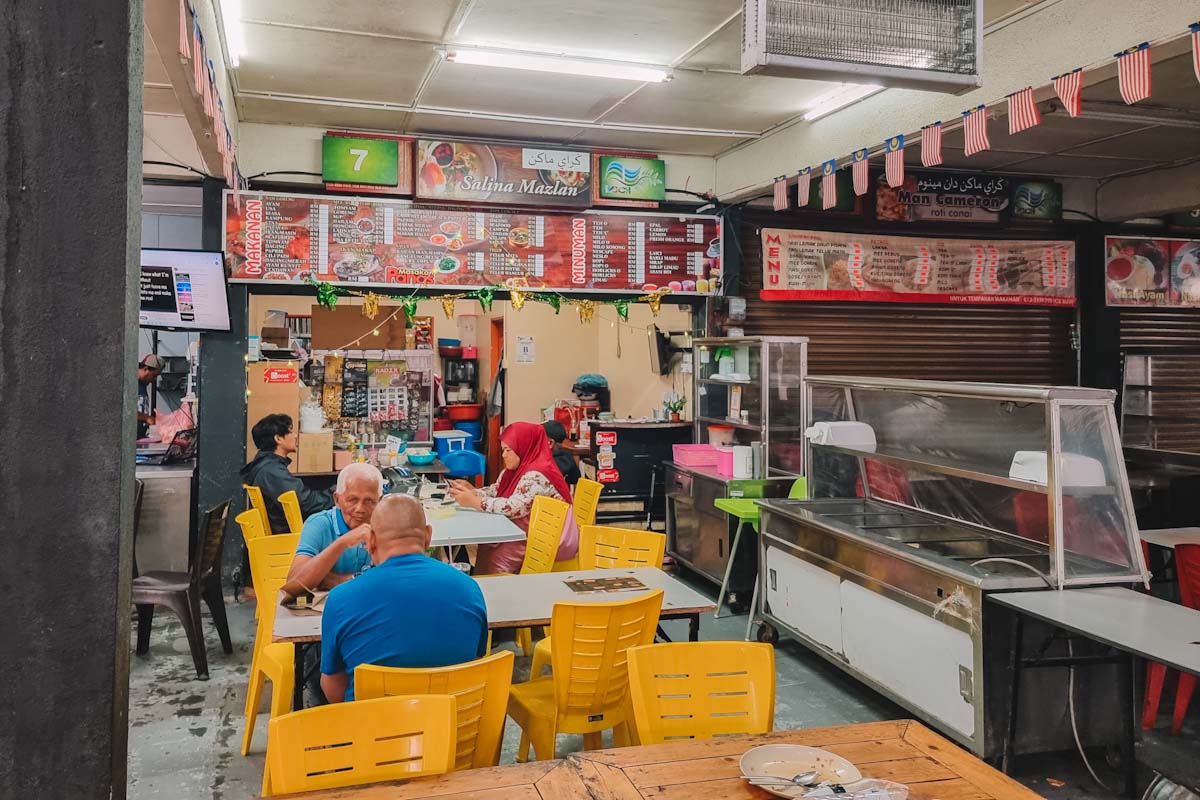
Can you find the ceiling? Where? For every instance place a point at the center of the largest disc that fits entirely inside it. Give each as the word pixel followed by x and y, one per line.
pixel 1109 140
pixel 166 134
pixel 375 64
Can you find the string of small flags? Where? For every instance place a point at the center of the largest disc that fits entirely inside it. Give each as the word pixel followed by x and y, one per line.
pixel 1133 77
pixel 204 84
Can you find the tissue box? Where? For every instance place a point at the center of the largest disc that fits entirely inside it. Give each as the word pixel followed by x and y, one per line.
pixel 854 435
pixel 1077 470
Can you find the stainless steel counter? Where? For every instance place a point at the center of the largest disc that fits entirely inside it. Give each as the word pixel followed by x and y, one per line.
pixel 164 531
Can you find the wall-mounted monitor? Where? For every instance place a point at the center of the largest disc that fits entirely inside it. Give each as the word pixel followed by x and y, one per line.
pixel 183 290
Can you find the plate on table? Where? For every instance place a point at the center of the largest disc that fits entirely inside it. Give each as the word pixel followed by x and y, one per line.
pixel 787 760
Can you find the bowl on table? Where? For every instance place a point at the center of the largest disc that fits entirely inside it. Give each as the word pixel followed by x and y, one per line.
pixel 788 760
pixel 421 457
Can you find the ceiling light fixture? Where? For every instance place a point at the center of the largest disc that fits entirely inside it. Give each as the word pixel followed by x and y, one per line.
pixel 560 64
pixel 840 97
pixel 231 23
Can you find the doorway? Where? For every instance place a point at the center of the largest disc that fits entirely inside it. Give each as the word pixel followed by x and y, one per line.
pixel 496 354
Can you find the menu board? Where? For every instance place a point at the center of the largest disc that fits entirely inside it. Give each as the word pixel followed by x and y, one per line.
pixel 951 197
pixel 286 237
pixel 819 265
pixel 1144 271
pixel 504 174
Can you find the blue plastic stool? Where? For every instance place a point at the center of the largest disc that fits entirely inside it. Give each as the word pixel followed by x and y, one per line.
pixel 464 463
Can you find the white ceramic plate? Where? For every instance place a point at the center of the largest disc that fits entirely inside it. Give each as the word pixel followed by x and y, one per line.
pixel 787 760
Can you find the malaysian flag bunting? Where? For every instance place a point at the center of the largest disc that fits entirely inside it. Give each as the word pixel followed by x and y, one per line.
pixel 210 85
pixel 1195 28
pixel 780 200
pixel 197 57
pixel 1022 111
pixel 975 130
pixel 803 187
pixel 859 170
pixel 893 160
pixel 185 17
pixel 829 184
pixel 931 145
pixel 1069 87
pixel 1133 73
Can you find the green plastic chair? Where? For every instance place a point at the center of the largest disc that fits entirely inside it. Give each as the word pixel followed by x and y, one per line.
pixel 745 510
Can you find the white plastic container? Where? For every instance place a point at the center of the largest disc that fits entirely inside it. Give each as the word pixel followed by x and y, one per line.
pixel 854 435
pixel 1077 470
pixel 743 461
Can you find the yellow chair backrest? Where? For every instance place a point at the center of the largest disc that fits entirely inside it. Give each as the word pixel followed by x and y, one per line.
pixel 480 689
pixel 602 547
pixel 697 690
pixel 259 505
pixel 270 559
pixel 367 741
pixel 546 522
pixel 291 510
pixel 589 644
pixel 587 500
pixel 250 522
pixel 799 490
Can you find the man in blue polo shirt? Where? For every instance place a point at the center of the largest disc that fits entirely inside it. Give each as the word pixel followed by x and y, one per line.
pixel 409 611
pixel 332 543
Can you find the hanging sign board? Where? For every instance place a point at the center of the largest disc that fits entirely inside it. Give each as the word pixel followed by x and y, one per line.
pixel 367 163
pixel 626 178
pixel 820 265
pixel 363 241
pixel 473 172
pixel 1143 271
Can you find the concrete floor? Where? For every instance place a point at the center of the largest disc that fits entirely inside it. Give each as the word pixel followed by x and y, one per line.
pixel 185 734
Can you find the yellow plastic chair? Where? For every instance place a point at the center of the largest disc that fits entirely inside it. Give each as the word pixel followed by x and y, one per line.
pixel 698 690
pixel 291 511
pixel 480 689
pixel 270 560
pixel 368 741
pixel 589 689
pixel 255 496
pixel 587 500
pixel 250 521
pixel 603 547
pixel 546 521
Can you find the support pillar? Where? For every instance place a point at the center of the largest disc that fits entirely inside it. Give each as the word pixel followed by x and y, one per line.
pixel 70 231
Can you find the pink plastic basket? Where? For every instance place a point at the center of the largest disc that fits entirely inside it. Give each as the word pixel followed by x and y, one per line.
pixel 694 455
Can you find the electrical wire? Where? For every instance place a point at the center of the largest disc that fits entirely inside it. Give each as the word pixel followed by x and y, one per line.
pixel 178 166
pixel 1014 562
pixel 1074 725
pixel 285 172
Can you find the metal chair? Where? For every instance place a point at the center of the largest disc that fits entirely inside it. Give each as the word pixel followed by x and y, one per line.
pixel 181 592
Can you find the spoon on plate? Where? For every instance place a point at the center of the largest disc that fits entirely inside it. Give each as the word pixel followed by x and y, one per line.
pixel 801 779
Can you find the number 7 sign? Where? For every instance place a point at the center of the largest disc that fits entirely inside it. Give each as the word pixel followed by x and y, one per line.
pixel 360 159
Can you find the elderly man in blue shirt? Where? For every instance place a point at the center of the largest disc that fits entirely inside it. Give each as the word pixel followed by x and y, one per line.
pixel 409 611
pixel 332 543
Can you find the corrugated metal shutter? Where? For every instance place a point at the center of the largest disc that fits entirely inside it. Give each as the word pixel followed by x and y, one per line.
pixel 1006 344
pixel 1150 330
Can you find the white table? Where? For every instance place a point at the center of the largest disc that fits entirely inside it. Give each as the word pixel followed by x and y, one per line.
pixel 1169 537
pixel 455 525
pixel 1132 623
pixel 519 601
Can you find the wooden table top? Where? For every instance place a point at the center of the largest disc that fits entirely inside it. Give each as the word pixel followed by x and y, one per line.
pixel 902 751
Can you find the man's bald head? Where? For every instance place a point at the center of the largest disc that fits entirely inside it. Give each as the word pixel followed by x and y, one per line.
pixel 398 526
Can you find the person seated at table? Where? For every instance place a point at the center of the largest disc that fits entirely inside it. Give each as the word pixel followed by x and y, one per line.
pixel 275 438
pixel 409 611
pixel 529 471
pixel 565 460
pixel 332 543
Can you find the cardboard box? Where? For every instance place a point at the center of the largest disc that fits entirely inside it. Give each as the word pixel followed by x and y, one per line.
pixel 280 337
pixel 315 453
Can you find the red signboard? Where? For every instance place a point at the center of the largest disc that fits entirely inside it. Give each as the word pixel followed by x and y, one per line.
pixel 607 475
pixel 1143 271
pixel 280 375
pixel 606 438
pixel 474 172
pixel 820 265
pixel 367 241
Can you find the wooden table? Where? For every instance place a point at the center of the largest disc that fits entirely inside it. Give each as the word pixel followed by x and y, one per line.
pixel 902 751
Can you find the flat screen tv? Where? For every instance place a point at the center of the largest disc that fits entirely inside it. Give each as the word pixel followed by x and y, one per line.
pixel 183 290
pixel 660 350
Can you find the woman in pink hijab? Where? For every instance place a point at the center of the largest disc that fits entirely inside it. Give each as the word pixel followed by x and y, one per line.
pixel 529 471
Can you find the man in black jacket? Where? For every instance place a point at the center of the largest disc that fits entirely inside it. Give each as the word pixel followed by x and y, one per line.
pixel 567 465
pixel 276 441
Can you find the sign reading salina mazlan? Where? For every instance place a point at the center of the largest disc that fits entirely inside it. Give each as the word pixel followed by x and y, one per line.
pixel 371 241
pixel 473 172
pixel 820 265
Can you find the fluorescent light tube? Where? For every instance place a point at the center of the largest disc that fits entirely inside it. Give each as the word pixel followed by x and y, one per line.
pixel 837 98
pixel 231 22
pixel 560 64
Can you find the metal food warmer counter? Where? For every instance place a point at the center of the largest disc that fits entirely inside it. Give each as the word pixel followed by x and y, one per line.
pixel 927 496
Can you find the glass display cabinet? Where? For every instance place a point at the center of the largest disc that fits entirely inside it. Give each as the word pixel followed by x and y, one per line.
pixel 926 496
